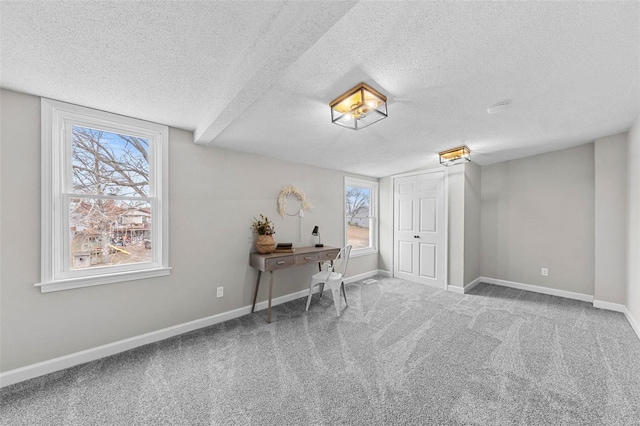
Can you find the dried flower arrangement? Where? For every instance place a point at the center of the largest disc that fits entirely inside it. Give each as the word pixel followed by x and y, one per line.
pixel 263 226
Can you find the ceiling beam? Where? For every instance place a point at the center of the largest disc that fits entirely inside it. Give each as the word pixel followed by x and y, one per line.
pixel 288 35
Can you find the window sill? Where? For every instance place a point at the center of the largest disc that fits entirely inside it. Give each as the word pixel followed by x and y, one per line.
pixel 363 252
pixel 68 284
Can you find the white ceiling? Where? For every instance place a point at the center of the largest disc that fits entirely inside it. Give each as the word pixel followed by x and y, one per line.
pixel 258 76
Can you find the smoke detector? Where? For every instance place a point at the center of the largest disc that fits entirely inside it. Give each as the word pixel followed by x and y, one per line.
pixel 499 107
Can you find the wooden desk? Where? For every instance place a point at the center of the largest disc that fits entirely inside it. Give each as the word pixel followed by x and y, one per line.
pixel 274 261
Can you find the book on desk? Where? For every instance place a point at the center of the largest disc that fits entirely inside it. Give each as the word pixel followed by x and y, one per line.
pixel 284 248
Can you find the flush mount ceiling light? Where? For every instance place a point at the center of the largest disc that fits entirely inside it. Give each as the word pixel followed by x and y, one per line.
pixel 455 156
pixel 358 107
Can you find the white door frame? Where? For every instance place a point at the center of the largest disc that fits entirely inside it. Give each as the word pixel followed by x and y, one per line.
pixel 446 218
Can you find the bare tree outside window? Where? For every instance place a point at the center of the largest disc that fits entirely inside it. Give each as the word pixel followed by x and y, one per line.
pixel 110 212
pixel 109 164
pixel 357 206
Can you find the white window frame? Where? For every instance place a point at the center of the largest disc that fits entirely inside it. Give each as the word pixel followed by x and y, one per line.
pixel 373 214
pixel 57 120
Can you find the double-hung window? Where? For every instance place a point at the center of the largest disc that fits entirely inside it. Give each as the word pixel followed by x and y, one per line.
pixel 104 197
pixel 360 215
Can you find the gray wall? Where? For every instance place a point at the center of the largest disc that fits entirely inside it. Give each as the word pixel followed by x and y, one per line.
pixel 464 224
pixel 456 182
pixel 610 218
pixel 633 222
pixel 472 222
pixel 539 212
pixel 385 259
pixel 533 212
pixel 213 195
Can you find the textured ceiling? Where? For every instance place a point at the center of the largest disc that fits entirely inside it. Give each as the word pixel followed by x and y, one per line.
pixel 258 76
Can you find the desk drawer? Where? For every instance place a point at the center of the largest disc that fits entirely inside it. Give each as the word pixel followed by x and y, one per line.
pixel 278 262
pixel 303 258
pixel 329 255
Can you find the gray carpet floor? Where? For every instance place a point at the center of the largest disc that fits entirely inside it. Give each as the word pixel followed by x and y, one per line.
pixel 401 353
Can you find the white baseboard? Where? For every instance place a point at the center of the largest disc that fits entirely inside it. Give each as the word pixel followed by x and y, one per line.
pixel 466 288
pixel 539 289
pixel 635 324
pixel 39 369
pixel 45 367
pixel 366 275
pixel 472 284
pixel 618 307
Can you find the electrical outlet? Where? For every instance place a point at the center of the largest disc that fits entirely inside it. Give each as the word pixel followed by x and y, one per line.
pixel 220 291
pixel 544 272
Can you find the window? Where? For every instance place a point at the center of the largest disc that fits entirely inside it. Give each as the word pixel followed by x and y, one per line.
pixel 104 195
pixel 360 215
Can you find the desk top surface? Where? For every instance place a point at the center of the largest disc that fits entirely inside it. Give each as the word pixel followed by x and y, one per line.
pixel 298 250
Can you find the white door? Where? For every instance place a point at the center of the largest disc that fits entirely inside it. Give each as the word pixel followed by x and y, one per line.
pixel 419 228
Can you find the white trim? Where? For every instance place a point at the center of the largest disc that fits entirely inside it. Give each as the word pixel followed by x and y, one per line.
pixel 366 275
pixel 618 307
pixel 472 284
pixel 57 119
pixel 466 288
pixel 419 172
pixel 634 324
pixel 47 189
pixel 45 367
pixel 71 283
pixel 455 289
pixel 445 273
pixel 445 276
pixel 538 289
pixel 362 252
pixel 374 214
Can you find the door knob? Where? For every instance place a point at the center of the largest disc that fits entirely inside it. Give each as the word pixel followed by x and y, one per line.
pixel 416 236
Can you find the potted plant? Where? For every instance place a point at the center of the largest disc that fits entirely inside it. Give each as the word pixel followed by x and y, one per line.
pixel 265 230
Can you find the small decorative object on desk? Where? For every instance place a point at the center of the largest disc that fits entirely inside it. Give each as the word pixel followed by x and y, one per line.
pixel 264 228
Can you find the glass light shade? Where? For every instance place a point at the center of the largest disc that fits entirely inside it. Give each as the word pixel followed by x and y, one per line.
pixel 454 156
pixel 359 107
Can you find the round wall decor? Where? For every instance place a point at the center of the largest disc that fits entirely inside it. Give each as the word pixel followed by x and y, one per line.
pixel 292 191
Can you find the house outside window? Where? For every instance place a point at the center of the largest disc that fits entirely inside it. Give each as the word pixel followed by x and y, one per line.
pixel 361 198
pixel 104 197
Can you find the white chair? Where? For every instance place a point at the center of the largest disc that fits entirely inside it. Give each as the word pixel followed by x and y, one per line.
pixel 333 277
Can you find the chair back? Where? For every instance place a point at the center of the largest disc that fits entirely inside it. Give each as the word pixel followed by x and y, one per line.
pixel 341 261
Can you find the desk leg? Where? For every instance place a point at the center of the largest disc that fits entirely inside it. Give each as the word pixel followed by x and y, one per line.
pixel 255 295
pixel 270 291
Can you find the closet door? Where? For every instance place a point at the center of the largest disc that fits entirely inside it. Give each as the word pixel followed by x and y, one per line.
pixel 419 228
